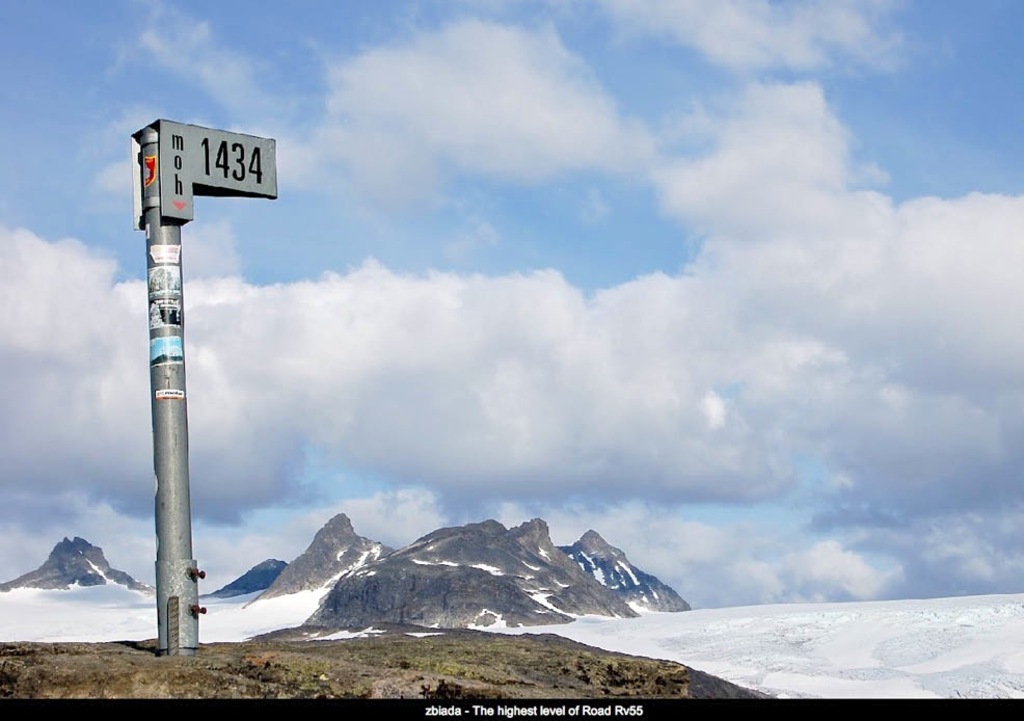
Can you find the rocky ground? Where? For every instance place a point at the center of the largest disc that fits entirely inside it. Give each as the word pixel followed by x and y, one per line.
pixel 455 665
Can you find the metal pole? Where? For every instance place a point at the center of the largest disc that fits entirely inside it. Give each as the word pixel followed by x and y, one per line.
pixel 177 591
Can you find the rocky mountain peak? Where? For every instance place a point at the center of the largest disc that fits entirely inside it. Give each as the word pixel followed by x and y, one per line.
pixel 592 543
pixel 610 567
pixel 336 550
pixel 535 537
pixel 78 545
pixel 533 531
pixel 479 574
pixel 74 562
pixel 338 529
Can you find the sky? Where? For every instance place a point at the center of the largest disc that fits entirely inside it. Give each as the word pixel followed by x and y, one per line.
pixel 735 284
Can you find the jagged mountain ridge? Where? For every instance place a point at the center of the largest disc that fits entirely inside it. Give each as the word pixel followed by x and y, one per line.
pixel 610 567
pixel 74 563
pixel 473 575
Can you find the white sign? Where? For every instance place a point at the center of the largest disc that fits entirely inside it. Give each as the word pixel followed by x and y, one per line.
pixel 192 160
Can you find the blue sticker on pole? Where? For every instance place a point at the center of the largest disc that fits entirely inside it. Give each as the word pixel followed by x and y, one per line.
pixel 166 350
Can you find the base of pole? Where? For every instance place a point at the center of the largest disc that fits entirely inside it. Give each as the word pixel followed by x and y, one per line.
pixel 177 595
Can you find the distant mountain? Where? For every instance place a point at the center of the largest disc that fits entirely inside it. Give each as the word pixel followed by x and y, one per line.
pixel 74 563
pixel 610 567
pixel 335 551
pixel 479 574
pixel 257 578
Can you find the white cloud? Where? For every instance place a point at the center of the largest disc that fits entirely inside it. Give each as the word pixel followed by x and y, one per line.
pixel 210 251
pixel 479 381
pixel 861 347
pixel 781 155
pixel 872 336
pixel 75 375
pixel 31 524
pixel 477 98
pixel 71 396
pixel 714 409
pixel 502 378
pixel 819 319
pixel 958 551
pixel 732 563
pixel 750 35
pixel 827 571
pixel 396 518
pixel 116 178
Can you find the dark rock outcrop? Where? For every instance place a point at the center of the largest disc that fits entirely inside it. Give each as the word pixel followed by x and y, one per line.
pixel 258 578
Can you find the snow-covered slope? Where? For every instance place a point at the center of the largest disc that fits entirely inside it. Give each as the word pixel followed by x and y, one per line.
pixel 952 647
pixel 936 648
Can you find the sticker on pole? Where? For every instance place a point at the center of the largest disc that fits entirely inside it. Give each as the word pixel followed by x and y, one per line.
pixel 150 162
pixel 165 281
pixel 165 254
pixel 166 350
pixel 164 312
pixel 170 394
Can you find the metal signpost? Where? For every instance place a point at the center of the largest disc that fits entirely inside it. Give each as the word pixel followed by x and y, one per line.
pixel 175 163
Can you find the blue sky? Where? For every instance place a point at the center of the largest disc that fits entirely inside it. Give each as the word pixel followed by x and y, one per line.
pixel 733 283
